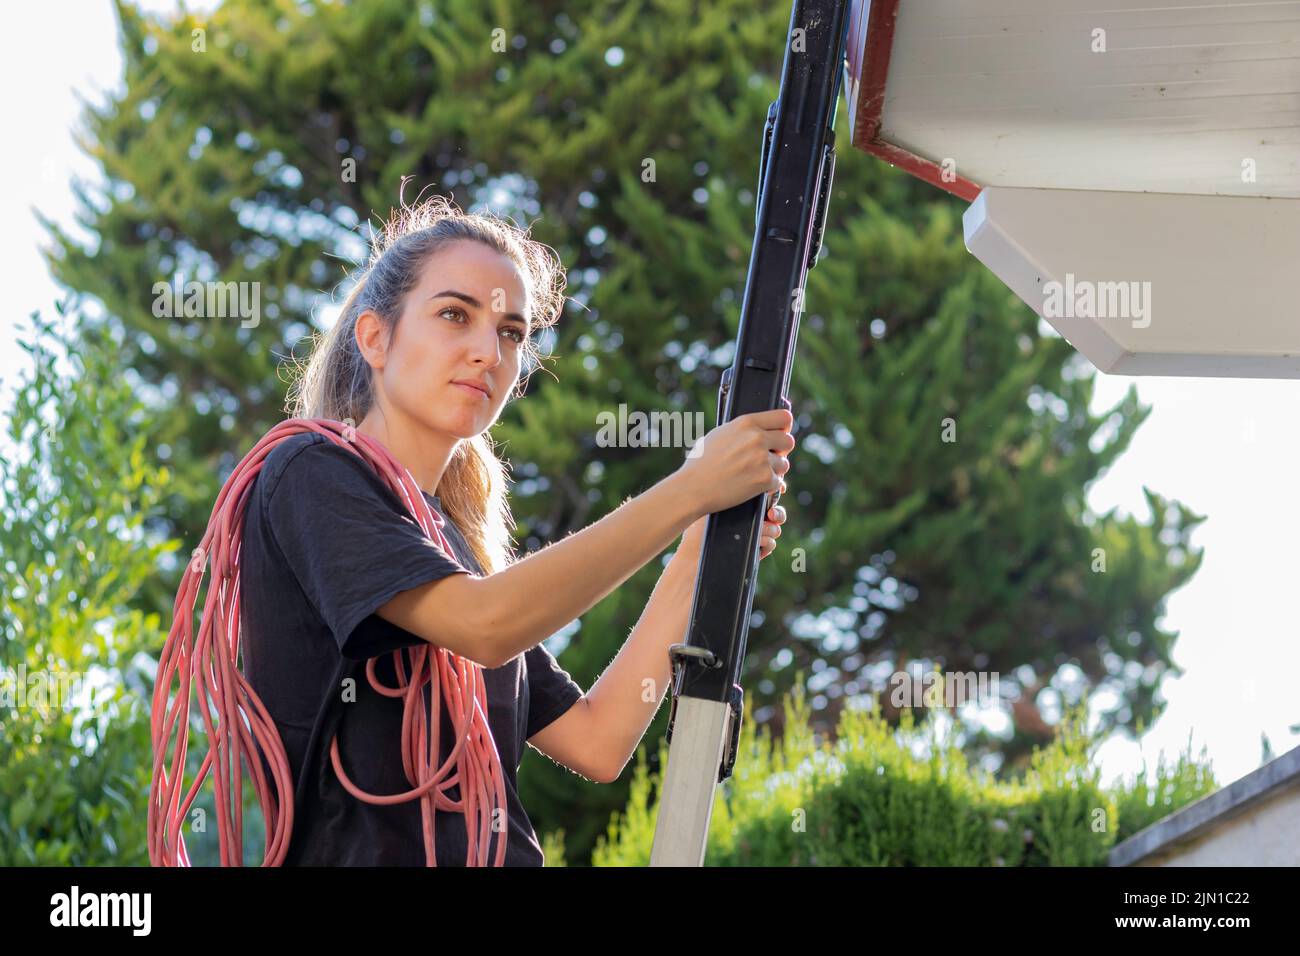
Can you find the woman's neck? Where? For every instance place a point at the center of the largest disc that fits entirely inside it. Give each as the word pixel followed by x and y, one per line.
pixel 422 451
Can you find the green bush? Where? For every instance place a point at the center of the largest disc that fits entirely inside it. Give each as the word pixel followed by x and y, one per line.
pixel 880 796
pixel 1142 802
pixel 76 489
pixel 553 847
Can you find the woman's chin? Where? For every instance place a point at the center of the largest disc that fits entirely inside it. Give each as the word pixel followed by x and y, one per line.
pixel 466 426
pixel 456 424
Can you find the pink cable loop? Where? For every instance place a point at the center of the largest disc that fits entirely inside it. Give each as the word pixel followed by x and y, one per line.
pixel 240 730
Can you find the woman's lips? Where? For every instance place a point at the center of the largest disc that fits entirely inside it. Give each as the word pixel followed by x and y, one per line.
pixel 472 390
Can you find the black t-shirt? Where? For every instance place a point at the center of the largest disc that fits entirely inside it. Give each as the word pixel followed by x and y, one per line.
pixel 325 544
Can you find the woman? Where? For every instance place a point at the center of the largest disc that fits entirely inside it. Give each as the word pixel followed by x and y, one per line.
pixel 334 573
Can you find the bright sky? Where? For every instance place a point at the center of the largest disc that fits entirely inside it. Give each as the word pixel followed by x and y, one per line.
pixel 1227 448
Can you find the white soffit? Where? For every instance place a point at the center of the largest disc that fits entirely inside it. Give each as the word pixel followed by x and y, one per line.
pixel 1151 283
pixel 1187 97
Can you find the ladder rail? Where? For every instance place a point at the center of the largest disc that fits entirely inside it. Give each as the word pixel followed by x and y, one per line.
pixel 795 174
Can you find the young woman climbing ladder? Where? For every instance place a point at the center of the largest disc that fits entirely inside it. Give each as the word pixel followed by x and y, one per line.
pixel 391 644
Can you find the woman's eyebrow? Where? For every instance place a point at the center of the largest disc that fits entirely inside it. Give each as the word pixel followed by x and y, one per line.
pixel 475 303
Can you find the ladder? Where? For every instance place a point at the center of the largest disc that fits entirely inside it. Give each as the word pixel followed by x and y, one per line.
pixel 795 171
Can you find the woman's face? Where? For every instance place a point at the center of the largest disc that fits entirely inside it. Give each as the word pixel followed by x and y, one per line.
pixel 462 326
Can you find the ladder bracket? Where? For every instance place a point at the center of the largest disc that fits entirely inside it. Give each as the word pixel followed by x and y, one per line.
pixel 733 744
pixel 681 655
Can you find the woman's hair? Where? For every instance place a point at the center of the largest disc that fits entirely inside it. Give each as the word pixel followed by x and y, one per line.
pixel 337 381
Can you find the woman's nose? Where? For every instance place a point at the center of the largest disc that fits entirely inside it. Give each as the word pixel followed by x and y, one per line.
pixel 486 347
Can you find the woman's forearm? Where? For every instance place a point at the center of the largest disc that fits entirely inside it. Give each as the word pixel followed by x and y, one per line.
pixel 628 694
pixel 533 598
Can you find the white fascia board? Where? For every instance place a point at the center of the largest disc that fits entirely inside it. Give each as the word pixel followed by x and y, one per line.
pixel 1152 283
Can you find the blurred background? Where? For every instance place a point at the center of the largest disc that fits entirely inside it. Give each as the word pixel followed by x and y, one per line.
pixel 1117 549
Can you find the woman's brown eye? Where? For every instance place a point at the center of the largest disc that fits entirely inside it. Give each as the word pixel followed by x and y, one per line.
pixel 515 334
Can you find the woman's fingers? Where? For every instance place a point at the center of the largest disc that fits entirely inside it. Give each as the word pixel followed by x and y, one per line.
pixel 771 530
pixel 767 542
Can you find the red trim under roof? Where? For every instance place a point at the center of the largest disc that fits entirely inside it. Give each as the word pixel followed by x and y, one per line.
pixel 871 41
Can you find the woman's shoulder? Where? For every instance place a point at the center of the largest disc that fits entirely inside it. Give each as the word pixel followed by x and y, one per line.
pixel 286 449
pixel 310 460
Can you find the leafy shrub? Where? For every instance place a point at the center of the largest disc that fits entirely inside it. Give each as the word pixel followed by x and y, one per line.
pixel 880 796
pixel 76 489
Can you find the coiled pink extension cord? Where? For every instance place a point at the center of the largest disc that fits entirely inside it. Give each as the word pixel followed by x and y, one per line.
pixel 226 697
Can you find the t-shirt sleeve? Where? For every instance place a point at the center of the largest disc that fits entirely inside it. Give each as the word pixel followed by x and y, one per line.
pixel 351 544
pixel 551 691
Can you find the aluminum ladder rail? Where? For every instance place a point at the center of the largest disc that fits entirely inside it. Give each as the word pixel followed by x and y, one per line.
pixel 795 172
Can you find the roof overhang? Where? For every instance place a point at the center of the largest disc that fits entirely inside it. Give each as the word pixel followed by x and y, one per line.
pixel 1110 150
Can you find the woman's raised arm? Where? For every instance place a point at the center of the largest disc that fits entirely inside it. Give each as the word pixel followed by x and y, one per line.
pixel 491 619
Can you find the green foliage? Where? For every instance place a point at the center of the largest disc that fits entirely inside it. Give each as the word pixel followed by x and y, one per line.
pixel 77 490
pixel 553 848
pixel 1150 796
pixel 883 796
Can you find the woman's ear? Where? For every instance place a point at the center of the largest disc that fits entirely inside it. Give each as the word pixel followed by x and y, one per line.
pixel 372 338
